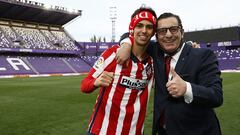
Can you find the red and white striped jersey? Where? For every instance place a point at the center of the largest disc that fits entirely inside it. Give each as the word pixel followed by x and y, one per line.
pixel 120 108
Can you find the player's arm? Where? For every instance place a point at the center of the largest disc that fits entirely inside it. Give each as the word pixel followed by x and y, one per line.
pixel 89 84
pixel 193 44
pixel 124 52
pixel 97 76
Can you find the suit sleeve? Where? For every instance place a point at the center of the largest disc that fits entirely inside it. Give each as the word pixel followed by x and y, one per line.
pixel 151 49
pixel 208 91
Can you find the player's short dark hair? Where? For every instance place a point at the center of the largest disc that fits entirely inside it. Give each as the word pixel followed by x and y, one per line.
pixel 148 9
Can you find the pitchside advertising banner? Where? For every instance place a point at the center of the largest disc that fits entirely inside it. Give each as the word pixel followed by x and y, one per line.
pixel 221 44
pixel 92 48
pixel 38 51
pixel 89 48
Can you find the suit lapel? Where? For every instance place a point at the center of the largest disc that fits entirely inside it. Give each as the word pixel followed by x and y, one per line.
pixel 182 59
pixel 162 72
pixel 161 69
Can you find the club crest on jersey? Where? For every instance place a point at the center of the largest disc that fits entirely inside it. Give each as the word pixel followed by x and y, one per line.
pixel 132 83
pixel 149 70
pixel 99 63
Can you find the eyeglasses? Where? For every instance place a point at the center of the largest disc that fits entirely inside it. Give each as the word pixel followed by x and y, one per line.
pixel 173 30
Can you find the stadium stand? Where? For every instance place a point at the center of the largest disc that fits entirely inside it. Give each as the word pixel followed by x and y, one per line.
pixel 4 42
pixel 90 59
pixel 224 41
pixel 33 42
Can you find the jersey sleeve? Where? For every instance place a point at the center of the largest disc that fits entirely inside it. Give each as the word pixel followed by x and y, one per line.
pixel 87 84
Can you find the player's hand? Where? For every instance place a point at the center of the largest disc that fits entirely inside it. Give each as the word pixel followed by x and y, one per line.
pixel 195 45
pixel 104 79
pixel 177 86
pixel 123 53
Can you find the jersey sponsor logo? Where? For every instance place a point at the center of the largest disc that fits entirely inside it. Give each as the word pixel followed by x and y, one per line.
pixel 98 63
pixel 133 83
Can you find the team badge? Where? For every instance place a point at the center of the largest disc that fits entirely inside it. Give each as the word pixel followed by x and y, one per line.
pixel 98 63
pixel 149 70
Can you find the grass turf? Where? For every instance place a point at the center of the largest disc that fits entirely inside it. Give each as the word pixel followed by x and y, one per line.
pixel 55 106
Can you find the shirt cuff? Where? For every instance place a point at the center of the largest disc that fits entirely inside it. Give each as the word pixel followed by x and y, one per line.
pixel 126 40
pixel 188 96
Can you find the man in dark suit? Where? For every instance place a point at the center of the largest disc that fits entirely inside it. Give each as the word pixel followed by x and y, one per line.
pixel 184 98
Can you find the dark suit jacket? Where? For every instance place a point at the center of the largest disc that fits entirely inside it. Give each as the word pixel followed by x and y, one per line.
pixel 200 68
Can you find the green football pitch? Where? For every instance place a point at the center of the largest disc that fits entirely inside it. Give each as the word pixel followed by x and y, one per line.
pixel 55 106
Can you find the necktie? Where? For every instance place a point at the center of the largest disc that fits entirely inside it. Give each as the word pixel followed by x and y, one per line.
pixel 167 60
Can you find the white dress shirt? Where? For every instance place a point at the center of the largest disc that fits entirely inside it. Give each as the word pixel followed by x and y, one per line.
pixel 188 96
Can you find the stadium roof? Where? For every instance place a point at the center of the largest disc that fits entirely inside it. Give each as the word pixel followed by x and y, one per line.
pixel 30 11
pixel 214 35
